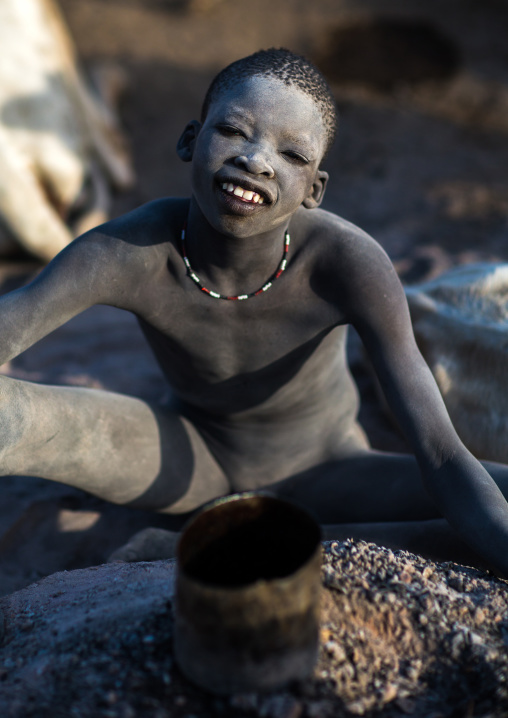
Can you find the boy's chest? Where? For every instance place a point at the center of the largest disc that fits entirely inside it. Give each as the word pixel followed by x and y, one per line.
pixel 206 341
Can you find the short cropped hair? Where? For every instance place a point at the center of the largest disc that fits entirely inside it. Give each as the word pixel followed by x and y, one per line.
pixel 288 67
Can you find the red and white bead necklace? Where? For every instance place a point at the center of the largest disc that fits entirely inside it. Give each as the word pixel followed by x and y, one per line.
pixel 216 295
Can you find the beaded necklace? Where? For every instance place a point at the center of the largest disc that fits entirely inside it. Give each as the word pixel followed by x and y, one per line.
pixel 216 295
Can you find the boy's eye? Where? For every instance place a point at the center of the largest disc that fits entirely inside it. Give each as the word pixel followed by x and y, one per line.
pixel 296 157
pixel 230 130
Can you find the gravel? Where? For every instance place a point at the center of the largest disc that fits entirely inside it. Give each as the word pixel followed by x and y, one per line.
pixel 400 635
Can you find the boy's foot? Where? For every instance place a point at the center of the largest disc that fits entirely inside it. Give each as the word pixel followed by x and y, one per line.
pixel 150 544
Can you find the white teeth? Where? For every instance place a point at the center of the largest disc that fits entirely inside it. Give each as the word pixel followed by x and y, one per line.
pixel 245 194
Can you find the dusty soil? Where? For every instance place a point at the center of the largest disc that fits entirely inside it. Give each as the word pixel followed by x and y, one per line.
pixel 420 163
pixel 399 636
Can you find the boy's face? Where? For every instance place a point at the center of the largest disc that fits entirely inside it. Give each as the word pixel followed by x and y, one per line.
pixel 265 138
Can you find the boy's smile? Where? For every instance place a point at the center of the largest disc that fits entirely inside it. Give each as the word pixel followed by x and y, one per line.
pixel 245 195
pixel 256 157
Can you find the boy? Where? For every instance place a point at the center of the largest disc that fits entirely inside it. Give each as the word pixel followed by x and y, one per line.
pixel 244 292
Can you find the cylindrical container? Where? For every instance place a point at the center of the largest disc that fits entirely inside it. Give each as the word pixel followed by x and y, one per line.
pixel 247 594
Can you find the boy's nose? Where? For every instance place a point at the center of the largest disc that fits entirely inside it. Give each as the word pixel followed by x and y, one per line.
pixel 256 163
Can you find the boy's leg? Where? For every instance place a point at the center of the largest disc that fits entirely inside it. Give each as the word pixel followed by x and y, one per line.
pixel 370 487
pixel 119 448
pixel 372 496
pixel 380 497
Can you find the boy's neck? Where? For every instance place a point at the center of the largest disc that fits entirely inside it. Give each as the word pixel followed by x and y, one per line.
pixel 231 265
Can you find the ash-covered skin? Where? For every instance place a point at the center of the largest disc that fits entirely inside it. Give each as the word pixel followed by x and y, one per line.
pixel 262 396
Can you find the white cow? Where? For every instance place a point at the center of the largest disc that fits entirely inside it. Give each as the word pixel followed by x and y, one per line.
pixel 460 321
pixel 60 145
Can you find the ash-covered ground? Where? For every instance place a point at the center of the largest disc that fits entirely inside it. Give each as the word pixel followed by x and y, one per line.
pixel 399 636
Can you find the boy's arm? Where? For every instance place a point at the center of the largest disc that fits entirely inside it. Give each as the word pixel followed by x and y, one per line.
pixel 461 488
pixel 72 282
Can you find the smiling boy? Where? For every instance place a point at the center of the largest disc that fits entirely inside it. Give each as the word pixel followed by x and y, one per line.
pixel 244 292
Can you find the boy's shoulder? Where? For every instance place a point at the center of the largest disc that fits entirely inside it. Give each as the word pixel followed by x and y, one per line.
pixel 347 263
pixel 136 239
pixel 154 223
pixel 333 238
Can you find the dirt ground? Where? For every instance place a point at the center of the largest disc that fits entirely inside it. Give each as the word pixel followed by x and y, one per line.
pixel 398 636
pixel 420 163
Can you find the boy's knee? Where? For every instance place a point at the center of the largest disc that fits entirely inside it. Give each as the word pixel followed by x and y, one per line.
pixel 14 420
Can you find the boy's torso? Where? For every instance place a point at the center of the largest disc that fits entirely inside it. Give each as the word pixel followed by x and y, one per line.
pixel 264 374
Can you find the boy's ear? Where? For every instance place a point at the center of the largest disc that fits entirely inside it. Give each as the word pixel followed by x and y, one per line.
pixel 318 190
pixel 185 145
